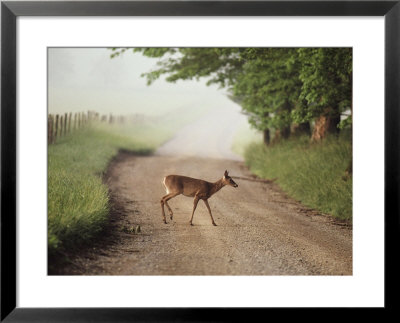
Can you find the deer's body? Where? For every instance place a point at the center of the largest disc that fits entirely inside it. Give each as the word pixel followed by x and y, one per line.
pixel 192 187
pixel 189 186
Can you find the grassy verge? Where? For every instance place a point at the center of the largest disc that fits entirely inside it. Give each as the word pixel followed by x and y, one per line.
pixel 310 173
pixel 78 202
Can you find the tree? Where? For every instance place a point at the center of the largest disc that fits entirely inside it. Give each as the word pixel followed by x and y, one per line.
pixel 326 74
pixel 270 86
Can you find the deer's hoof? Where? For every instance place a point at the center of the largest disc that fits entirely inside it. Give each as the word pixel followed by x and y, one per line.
pixel 170 217
pixel 214 224
pixel 165 221
pixel 191 223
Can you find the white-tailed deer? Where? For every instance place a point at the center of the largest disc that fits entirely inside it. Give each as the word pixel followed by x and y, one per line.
pixel 197 188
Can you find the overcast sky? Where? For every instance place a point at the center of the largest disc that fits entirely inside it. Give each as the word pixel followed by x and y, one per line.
pixel 82 79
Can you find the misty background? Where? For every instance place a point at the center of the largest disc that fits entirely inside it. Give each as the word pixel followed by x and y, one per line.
pixel 82 79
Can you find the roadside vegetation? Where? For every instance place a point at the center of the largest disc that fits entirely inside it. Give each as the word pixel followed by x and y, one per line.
pixel 315 174
pixel 78 202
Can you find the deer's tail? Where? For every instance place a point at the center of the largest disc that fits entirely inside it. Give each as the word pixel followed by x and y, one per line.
pixel 163 182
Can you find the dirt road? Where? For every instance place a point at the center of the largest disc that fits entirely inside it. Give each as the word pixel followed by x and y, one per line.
pixel 260 231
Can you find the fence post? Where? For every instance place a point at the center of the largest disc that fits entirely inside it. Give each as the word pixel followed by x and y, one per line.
pixel 57 133
pixel 65 123
pixel 69 122
pixel 50 129
pixel 61 125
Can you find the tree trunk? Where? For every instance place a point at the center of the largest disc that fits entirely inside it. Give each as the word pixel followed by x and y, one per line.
pixel 300 129
pixel 324 125
pixel 266 137
pixel 285 132
pixel 280 134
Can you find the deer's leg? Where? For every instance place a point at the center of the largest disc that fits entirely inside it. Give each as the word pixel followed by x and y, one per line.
pixel 163 201
pixel 167 198
pixel 171 214
pixel 196 200
pixel 163 211
pixel 209 210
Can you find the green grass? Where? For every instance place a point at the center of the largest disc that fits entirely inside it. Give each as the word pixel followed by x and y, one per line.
pixel 310 173
pixel 78 202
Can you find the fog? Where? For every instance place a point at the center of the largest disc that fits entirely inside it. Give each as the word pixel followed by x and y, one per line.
pixel 81 79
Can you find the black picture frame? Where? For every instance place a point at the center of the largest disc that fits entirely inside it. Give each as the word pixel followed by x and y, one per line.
pixel 10 10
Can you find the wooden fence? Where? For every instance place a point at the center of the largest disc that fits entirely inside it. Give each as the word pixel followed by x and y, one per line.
pixel 60 125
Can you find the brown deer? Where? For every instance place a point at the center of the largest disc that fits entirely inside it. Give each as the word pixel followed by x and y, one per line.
pixel 197 188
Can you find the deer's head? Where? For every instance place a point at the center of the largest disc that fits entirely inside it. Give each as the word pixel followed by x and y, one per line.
pixel 227 180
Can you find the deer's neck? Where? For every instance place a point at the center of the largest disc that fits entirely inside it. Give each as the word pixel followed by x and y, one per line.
pixel 217 186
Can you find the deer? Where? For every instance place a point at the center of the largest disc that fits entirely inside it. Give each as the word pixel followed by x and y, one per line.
pixel 192 187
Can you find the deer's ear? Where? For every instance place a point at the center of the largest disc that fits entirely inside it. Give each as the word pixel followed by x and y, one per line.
pixel 226 173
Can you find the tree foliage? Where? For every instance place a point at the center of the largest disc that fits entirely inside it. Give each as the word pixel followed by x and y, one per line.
pixel 326 74
pixel 276 87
